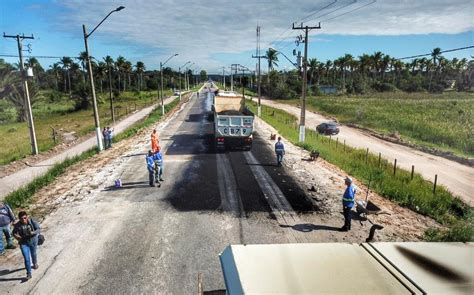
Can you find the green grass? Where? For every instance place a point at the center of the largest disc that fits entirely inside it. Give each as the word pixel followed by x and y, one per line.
pixel 416 194
pixel 22 197
pixel 59 115
pixel 441 121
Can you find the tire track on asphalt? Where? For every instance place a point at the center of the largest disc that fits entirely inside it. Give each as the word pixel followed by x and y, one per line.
pixel 280 206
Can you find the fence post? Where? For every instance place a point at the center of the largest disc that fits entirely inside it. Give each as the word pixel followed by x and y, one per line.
pixel 434 186
pixel 366 155
pixel 337 141
pixel 380 156
pixel 329 140
pixel 412 171
pixel 394 167
pixel 344 145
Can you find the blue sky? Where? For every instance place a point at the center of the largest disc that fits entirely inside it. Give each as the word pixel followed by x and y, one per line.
pixel 213 34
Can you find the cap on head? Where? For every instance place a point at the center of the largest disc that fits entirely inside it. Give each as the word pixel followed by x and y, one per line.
pixel 348 179
pixel 279 138
pixel 150 153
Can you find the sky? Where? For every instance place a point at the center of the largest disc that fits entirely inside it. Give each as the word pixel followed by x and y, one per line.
pixel 215 34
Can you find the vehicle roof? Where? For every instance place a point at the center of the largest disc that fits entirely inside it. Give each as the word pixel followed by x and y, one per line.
pixel 349 268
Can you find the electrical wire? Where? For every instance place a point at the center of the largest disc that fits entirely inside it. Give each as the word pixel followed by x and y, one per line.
pixel 429 54
pixel 355 9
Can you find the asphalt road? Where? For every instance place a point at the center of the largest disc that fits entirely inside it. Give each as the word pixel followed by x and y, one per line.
pixel 142 239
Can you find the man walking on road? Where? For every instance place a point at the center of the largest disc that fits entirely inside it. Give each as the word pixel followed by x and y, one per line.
pixel 26 231
pixel 348 200
pixel 6 219
pixel 158 158
pixel 280 151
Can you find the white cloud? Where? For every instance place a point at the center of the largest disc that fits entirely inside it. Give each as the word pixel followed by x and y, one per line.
pixel 200 29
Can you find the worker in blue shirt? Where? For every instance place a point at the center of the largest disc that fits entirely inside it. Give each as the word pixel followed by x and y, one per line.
pixel 158 158
pixel 348 200
pixel 150 164
pixel 280 151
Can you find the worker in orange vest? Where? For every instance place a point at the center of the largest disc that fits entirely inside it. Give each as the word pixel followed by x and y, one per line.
pixel 154 142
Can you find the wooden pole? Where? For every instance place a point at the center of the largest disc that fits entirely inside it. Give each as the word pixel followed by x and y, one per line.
pixel 344 145
pixel 434 186
pixel 412 171
pixel 366 155
pixel 380 157
pixel 394 167
pixel 337 141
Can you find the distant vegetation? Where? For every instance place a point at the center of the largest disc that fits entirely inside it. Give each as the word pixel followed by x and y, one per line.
pixel 61 99
pixel 416 194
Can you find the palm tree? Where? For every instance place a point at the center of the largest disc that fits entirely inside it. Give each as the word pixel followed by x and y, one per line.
pixel 364 65
pixel 312 68
pixel 101 72
pixel 83 59
pixel 140 68
pixel 119 63
pixel 376 59
pixel 33 63
pixel 384 64
pixel 328 66
pixel 56 70
pixel 66 64
pixel 272 58
pixel 435 54
pixel 127 69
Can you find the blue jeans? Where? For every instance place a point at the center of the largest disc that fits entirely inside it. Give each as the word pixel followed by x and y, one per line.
pixel 8 236
pixel 279 159
pixel 28 251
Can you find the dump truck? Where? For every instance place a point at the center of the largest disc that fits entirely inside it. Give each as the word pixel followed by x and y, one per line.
pixel 233 121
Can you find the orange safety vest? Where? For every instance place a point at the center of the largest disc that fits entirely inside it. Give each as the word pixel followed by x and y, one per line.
pixel 154 143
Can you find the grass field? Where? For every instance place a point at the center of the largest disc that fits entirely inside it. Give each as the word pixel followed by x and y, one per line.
pixel 416 194
pixel 60 115
pixel 442 121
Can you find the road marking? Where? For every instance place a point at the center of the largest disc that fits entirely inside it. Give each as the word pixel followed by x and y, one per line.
pixel 280 206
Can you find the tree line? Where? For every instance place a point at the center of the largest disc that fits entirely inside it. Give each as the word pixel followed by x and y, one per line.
pixel 368 73
pixel 68 77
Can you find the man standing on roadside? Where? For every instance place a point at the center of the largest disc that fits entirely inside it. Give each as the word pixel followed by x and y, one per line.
pixel 7 218
pixel 150 165
pixel 154 141
pixel 348 200
pixel 109 135
pixel 280 151
pixel 26 231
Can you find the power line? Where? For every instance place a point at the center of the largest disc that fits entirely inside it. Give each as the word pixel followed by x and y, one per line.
pixel 36 56
pixel 355 9
pixel 449 50
pixel 337 9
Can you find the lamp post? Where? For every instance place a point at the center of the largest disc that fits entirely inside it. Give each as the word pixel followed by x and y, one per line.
pixel 161 74
pixel 179 69
pixel 186 76
pixel 91 78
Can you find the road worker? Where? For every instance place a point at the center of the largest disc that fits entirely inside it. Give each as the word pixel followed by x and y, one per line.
pixel 348 200
pixel 150 164
pixel 158 158
pixel 280 151
pixel 154 141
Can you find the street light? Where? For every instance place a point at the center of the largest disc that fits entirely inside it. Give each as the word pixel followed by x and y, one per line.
pixel 186 77
pixel 179 69
pixel 161 74
pixel 91 78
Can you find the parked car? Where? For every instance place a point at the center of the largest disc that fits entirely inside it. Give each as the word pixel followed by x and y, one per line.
pixel 177 92
pixel 328 128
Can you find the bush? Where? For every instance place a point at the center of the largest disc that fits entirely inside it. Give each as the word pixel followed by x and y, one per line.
pixel 384 87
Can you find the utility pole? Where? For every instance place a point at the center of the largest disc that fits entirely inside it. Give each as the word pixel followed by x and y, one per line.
pixel 31 124
pixel 305 65
pixel 259 108
pixel 232 67
pixel 223 77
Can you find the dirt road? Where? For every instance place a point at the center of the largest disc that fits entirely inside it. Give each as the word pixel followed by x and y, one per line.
pixel 457 178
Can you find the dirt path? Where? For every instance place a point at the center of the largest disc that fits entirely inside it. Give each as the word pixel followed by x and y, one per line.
pixel 21 177
pixel 456 177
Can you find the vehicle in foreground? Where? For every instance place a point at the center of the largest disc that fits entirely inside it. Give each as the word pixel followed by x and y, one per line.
pixel 328 128
pixel 342 268
pixel 233 121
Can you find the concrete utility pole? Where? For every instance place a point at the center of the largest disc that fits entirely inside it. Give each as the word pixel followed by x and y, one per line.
pixel 243 69
pixel 232 68
pixel 223 77
pixel 31 124
pixel 161 74
pixel 305 65
pixel 259 108
pixel 98 133
pixel 180 80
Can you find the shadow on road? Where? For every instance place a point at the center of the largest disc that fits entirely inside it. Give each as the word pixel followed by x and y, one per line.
pixel 8 271
pixel 308 227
